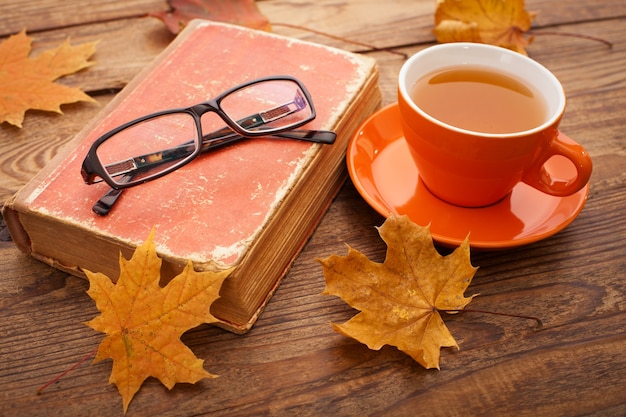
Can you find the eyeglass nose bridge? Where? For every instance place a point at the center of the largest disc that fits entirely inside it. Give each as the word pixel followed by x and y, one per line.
pixel 205 107
pixel 212 106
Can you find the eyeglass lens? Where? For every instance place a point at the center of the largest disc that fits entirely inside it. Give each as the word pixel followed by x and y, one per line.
pixel 266 106
pixel 149 147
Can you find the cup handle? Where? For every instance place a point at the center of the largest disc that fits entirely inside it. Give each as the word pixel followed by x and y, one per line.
pixel 539 177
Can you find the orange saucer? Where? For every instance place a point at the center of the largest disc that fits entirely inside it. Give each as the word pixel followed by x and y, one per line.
pixel 384 173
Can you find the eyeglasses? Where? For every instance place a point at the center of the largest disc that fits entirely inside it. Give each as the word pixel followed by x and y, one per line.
pixel 157 144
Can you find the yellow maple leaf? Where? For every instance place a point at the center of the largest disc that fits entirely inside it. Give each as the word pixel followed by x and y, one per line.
pixel 399 300
pixel 496 22
pixel 28 83
pixel 144 321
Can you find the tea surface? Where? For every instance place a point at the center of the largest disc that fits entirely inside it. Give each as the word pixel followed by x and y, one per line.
pixel 479 100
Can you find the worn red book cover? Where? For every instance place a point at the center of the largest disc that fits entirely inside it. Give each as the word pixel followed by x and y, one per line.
pixel 250 205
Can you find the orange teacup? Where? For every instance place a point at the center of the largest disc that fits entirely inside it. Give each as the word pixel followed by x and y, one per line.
pixel 479 119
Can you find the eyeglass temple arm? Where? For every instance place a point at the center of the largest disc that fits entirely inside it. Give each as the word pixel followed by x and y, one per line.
pixel 210 141
pixel 326 137
pixel 104 205
pixel 213 141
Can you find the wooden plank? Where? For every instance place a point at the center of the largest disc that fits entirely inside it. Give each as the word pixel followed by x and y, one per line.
pixel 406 22
pixel 582 64
pixel 40 15
pixel 369 21
pixel 550 13
pixel 124 47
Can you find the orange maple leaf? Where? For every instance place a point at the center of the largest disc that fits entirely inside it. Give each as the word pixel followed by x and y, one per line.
pixel 238 12
pixel 144 321
pixel 27 83
pixel 399 300
pixel 496 22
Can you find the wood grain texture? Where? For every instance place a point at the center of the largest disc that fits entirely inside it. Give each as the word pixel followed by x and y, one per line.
pixel 292 362
pixel 41 15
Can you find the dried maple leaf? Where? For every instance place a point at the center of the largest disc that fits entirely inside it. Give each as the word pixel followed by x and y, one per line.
pixel 144 321
pixel 238 12
pixel 28 83
pixel 399 300
pixel 496 22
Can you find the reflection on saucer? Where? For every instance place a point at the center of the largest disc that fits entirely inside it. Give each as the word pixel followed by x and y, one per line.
pixel 384 173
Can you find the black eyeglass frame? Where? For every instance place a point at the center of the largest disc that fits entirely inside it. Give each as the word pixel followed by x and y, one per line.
pixel 92 168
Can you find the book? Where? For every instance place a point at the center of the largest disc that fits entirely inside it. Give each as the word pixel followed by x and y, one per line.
pixel 250 206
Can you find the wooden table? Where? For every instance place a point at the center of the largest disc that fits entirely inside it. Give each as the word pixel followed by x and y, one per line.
pixel 292 362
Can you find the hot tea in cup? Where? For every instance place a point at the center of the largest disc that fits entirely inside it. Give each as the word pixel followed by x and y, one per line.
pixel 479 119
pixel 479 100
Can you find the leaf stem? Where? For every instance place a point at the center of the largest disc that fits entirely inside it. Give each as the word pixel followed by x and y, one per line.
pixel 572 35
pixel 339 38
pixel 67 371
pixel 469 310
